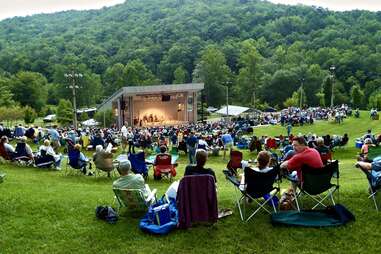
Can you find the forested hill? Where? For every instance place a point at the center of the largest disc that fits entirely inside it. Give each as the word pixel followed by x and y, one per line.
pixel 259 49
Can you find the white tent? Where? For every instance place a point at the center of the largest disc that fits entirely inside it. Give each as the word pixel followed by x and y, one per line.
pixel 232 110
pixel 90 122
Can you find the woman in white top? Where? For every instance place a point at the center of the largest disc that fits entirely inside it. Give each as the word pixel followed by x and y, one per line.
pixel 48 149
pixel 263 162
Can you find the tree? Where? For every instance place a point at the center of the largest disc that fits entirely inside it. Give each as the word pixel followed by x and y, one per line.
pixel 30 89
pixel 357 96
pixel 137 74
pixel 64 112
pixel 29 115
pixel 180 75
pixel 250 61
pixel 213 71
pixel 10 114
pixel 375 100
pixel 296 100
pixel 6 96
pixel 107 118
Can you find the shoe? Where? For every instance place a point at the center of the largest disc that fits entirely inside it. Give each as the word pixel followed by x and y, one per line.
pixel 90 174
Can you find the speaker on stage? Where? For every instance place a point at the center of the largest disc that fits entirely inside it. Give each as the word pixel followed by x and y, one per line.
pixel 165 97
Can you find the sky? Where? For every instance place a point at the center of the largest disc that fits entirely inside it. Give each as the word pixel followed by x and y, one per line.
pixel 12 8
pixel 337 5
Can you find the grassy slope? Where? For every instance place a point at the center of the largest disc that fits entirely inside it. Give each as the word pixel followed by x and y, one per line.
pixel 47 212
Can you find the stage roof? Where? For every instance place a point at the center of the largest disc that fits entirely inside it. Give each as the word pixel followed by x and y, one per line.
pixel 232 110
pixel 156 89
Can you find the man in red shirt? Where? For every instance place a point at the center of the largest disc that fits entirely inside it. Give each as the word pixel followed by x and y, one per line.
pixel 304 156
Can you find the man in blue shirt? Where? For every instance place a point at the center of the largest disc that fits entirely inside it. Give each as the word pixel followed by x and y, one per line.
pixel 192 142
pixel 227 141
pixel 54 138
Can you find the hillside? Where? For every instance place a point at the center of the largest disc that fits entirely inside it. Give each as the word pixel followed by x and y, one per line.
pixel 143 42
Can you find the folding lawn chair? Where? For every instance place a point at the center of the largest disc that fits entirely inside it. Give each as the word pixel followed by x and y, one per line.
pixel 259 187
pixel 74 162
pixel 163 167
pixel 315 182
pixel 374 185
pixel 138 163
pixel 133 200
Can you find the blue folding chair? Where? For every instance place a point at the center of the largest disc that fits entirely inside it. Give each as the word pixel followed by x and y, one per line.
pixel 138 163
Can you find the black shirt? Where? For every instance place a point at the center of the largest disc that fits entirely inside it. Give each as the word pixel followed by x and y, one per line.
pixel 191 170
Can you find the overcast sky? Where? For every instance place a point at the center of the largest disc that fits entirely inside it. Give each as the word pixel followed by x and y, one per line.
pixel 338 5
pixel 11 8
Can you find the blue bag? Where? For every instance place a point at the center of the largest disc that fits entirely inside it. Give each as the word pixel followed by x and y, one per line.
pixel 161 218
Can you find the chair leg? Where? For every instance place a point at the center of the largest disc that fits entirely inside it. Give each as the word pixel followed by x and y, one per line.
pixel 373 196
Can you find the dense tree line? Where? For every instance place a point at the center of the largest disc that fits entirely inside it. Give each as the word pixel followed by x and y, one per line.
pixel 263 52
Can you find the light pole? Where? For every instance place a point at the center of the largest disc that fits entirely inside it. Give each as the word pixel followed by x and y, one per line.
pixel 332 70
pixel 301 93
pixel 73 78
pixel 227 98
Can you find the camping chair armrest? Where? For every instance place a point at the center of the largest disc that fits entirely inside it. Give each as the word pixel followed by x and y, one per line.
pixel 151 196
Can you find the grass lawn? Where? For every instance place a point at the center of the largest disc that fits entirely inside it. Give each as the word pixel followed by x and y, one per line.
pixel 46 212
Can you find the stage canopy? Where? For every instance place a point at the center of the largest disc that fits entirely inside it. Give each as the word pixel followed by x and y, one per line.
pixel 232 110
pixel 90 123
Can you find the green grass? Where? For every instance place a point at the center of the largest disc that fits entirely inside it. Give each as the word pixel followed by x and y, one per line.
pixel 46 212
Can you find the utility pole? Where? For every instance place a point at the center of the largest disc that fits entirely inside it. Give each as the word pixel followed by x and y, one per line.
pixel 301 93
pixel 73 78
pixel 332 70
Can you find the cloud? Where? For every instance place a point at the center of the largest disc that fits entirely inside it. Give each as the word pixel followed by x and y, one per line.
pixel 337 5
pixel 29 7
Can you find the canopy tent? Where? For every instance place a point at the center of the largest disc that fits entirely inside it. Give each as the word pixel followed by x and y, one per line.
pixel 211 109
pixel 232 110
pixel 90 122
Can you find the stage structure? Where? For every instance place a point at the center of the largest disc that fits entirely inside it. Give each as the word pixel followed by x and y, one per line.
pixel 154 105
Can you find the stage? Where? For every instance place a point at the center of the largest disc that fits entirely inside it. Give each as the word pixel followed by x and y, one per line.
pixel 154 105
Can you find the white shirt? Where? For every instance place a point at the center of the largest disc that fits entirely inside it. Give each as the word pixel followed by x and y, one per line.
pixel 50 151
pixel 124 131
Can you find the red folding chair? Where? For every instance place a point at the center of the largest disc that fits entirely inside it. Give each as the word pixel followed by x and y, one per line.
pixel 163 167
pixel 325 157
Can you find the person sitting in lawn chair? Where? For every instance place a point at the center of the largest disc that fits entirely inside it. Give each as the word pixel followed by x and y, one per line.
pixel 130 181
pixel 263 166
pixel 47 156
pixel 365 150
pixel 304 156
pixel 103 159
pixel 6 150
pixel 78 160
pixel 199 168
pixel 23 152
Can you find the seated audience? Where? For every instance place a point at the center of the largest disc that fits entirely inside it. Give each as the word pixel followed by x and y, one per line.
pixel 47 153
pixel 199 169
pixel 103 158
pixel 304 156
pixel 263 165
pixel 365 150
pixel 6 150
pixel 128 180
pixel 23 149
pixel 320 147
pixel 82 162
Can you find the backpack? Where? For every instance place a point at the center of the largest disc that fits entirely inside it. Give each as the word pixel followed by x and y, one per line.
pixel 106 213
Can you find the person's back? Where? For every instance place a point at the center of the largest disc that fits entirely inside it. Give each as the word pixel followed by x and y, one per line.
pixel 103 160
pixel 199 169
pixel 130 181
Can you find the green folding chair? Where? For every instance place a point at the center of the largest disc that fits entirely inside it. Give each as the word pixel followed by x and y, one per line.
pixel 2 176
pixel 133 201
